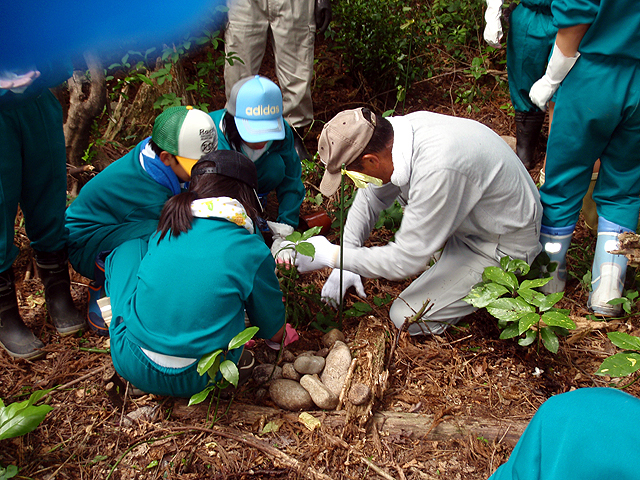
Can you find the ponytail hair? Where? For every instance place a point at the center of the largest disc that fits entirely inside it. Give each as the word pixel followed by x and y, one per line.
pixel 176 215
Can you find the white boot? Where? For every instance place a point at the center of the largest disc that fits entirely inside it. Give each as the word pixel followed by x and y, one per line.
pixel 555 242
pixel 608 271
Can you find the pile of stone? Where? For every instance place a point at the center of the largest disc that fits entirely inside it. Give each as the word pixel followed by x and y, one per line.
pixel 313 379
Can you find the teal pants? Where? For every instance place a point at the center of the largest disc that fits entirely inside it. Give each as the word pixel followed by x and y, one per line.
pixel 589 433
pixel 33 174
pixel 121 272
pixel 529 42
pixel 587 125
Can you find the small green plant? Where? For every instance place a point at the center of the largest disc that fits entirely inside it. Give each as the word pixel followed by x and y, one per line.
pixel 296 299
pixel 623 363
pixel 216 365
pixel 390 218
pixel 19 418
pixel 628 301
pixel 520 309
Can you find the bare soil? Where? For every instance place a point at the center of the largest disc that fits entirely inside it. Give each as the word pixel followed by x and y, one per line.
pixel 99 430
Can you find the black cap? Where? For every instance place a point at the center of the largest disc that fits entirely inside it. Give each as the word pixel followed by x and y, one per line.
pixel 230 164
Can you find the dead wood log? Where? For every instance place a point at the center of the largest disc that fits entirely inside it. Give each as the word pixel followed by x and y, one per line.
pixel 368 368
pixel 629 247
pixel 412 425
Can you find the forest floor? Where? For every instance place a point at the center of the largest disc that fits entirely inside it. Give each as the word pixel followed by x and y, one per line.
pixel 98 431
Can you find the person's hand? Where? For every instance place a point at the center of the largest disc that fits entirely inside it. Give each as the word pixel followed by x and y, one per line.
pixel 280 232
pixel 557 69
pixel 323 15
pixel 290 336
pixel 326 254
pixel 331 293
pixel 17 83
pixel 493 28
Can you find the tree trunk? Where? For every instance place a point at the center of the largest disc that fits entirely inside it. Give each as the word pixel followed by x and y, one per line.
pixel 83 107
pixel 87 98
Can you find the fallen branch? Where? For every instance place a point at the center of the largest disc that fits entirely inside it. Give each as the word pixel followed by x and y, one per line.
pixel 254 442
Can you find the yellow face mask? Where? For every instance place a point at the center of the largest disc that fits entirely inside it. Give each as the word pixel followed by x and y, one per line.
pixel 361 180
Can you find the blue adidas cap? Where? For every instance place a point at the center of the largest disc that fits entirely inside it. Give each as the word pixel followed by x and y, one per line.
pixel 256 104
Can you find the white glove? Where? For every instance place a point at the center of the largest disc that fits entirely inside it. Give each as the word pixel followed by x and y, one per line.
pixel 280 232
pixel 331 294
pixel 17 83
pixel 557 68
pixel 326 255
pixel 493 28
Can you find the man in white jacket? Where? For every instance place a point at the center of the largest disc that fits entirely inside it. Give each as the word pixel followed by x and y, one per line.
pixel 463 188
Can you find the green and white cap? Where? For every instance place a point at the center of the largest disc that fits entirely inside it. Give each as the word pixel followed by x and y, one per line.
pixel 187 133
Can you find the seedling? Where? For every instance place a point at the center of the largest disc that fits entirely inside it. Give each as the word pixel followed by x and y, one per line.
pixel 520 309
pixel 222 372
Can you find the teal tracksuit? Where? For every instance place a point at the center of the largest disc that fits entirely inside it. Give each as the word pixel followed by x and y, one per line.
pixel 186 297
pixel 597 115
pixel 279 169
pixel 586 434
pixel 121 203
pixel 33 166
pixel 529 42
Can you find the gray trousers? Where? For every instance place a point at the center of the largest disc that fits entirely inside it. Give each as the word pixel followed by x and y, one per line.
pixel 293 29
pixel 451 278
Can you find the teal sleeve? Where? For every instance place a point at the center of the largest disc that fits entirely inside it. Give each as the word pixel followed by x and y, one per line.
pixel 567 13
pixel 264 306
pixel 290 191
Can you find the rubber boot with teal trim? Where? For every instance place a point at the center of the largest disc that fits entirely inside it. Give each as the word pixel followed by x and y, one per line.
pixel 555 242
pixel 608 271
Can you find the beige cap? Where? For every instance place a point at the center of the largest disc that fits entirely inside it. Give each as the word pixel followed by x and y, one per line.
pixel 342 141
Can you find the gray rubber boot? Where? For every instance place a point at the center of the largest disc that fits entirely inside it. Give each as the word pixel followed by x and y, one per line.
pixel 15 337
pixel 54 272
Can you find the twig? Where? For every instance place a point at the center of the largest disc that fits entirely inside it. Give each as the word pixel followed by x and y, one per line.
pixel 341 443
pixel 409 320
pixel 254 442
pixel 347 381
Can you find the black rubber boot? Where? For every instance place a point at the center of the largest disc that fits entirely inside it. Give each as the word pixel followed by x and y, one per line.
pixel 301 150
pixel 54 272
pixel 528 126
pixel 15 337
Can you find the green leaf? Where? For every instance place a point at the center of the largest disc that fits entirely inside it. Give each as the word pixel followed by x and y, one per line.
pixel 528 339
pixel 201 396
pixel 509 332
pixel 620 364
pixel 207 361
pixel 509 309
pixel 549 339
pixel 230 372
pixel 497 275
pixel 517 265
pixel 535 283
pixel 306 248
pixel 558 319
pixel 311 232
pixel 483 294
pixel 531 296
pixel 24 421
pixel 624 340
pixel 504 262
pixel 527 321
pixel 243 337
pixel 9 472
pixel 294 237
